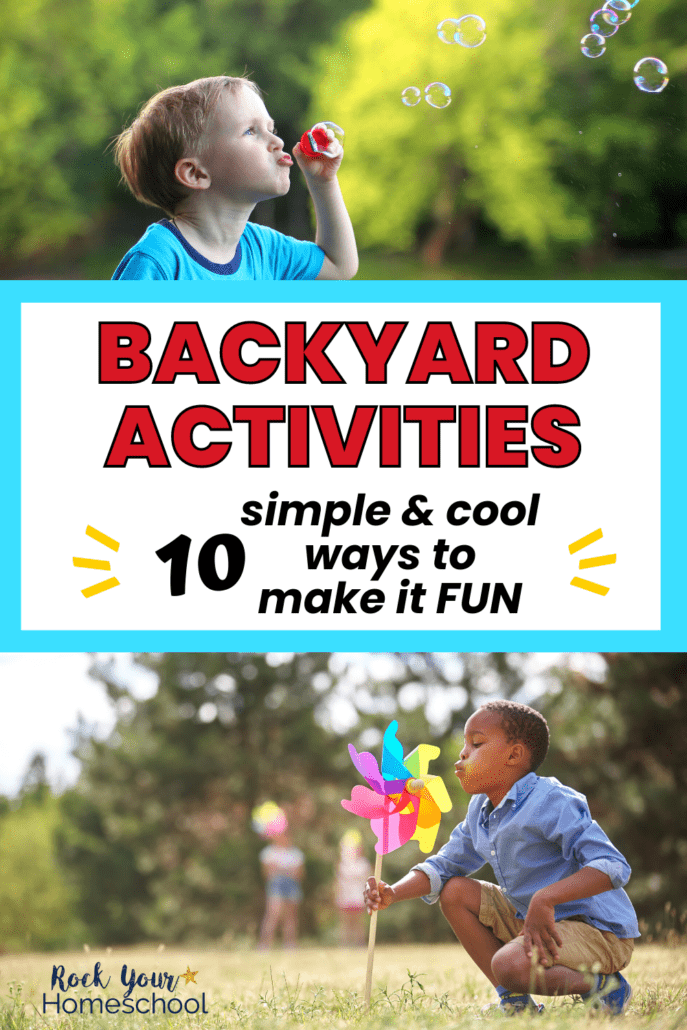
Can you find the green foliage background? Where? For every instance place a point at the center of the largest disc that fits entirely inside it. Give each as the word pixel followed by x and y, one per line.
pixel 37 901
pixel 541 152
pixel 154 842
pixel 540 146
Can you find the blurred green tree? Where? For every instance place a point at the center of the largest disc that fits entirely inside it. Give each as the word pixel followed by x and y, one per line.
pixel 158 828
pixel 157 831
pixel 76 71
pixel 622 740
pixel 541 148
pixel 36 898
pixel 70 69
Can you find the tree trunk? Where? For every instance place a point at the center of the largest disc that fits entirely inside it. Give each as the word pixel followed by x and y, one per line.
pixel 452 221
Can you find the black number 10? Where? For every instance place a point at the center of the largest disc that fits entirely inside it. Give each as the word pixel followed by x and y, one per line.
pixel 177 551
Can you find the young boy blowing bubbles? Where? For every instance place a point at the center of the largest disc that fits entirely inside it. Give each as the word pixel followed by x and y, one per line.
pixel 559 908
pixel 206 153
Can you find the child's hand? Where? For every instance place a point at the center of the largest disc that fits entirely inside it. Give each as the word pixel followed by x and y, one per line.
pixel 322 169
pixel 540 932
pixel 377 895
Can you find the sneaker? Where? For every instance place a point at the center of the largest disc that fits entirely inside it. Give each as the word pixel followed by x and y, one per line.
pixel 520 1003
pixel 514 1005
pixel 612 994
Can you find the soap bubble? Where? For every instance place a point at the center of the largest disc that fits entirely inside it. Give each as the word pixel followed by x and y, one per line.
pixel 651 75
pixel 470 31
pixel 622 9
pixel 604 22
pixel 593 45
pixel 447 30
pixel 411 96
pixel 437 94
pixel 336 129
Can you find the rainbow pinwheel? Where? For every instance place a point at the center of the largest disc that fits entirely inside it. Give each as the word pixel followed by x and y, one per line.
pixel 405 802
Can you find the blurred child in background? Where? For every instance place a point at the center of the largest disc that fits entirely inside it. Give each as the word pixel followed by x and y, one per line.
pixel 282 867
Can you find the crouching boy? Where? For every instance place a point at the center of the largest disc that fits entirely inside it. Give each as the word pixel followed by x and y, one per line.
pixel 558 921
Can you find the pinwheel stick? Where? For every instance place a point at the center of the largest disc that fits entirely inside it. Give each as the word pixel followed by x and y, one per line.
pixel 402 801
pixel 372 937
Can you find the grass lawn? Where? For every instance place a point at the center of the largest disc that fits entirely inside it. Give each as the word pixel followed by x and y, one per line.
pixel 414 986
pixel 501 266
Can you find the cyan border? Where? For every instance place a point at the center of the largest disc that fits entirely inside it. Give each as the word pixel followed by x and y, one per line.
pixel 673 634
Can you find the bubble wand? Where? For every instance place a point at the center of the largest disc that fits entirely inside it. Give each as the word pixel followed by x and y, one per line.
pixel 405 803
pixel 324 140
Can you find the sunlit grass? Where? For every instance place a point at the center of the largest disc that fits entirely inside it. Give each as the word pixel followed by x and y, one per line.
pixel 497 265
pixel 414 987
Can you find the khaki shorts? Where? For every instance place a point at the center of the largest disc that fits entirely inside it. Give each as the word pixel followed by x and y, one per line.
pixel 584 947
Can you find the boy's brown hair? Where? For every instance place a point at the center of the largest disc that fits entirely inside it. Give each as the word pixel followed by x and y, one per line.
pixel 168 127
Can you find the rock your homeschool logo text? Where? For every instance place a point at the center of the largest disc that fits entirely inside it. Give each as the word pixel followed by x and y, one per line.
pixel 158 999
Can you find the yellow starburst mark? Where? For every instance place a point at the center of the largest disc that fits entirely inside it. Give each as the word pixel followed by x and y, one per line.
pixel 590 563
pixel 98 563
pixel 190 977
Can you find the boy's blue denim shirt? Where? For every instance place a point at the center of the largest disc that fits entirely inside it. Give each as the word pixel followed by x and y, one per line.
pixel 540 833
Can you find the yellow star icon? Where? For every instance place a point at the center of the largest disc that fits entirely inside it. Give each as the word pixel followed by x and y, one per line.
pixel 188 976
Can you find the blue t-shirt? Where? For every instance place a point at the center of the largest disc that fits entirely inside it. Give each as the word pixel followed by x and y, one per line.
pixel 261 253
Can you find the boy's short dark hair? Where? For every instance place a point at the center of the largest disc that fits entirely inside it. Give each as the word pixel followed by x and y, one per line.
pixel 168 127
pixel 523 724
